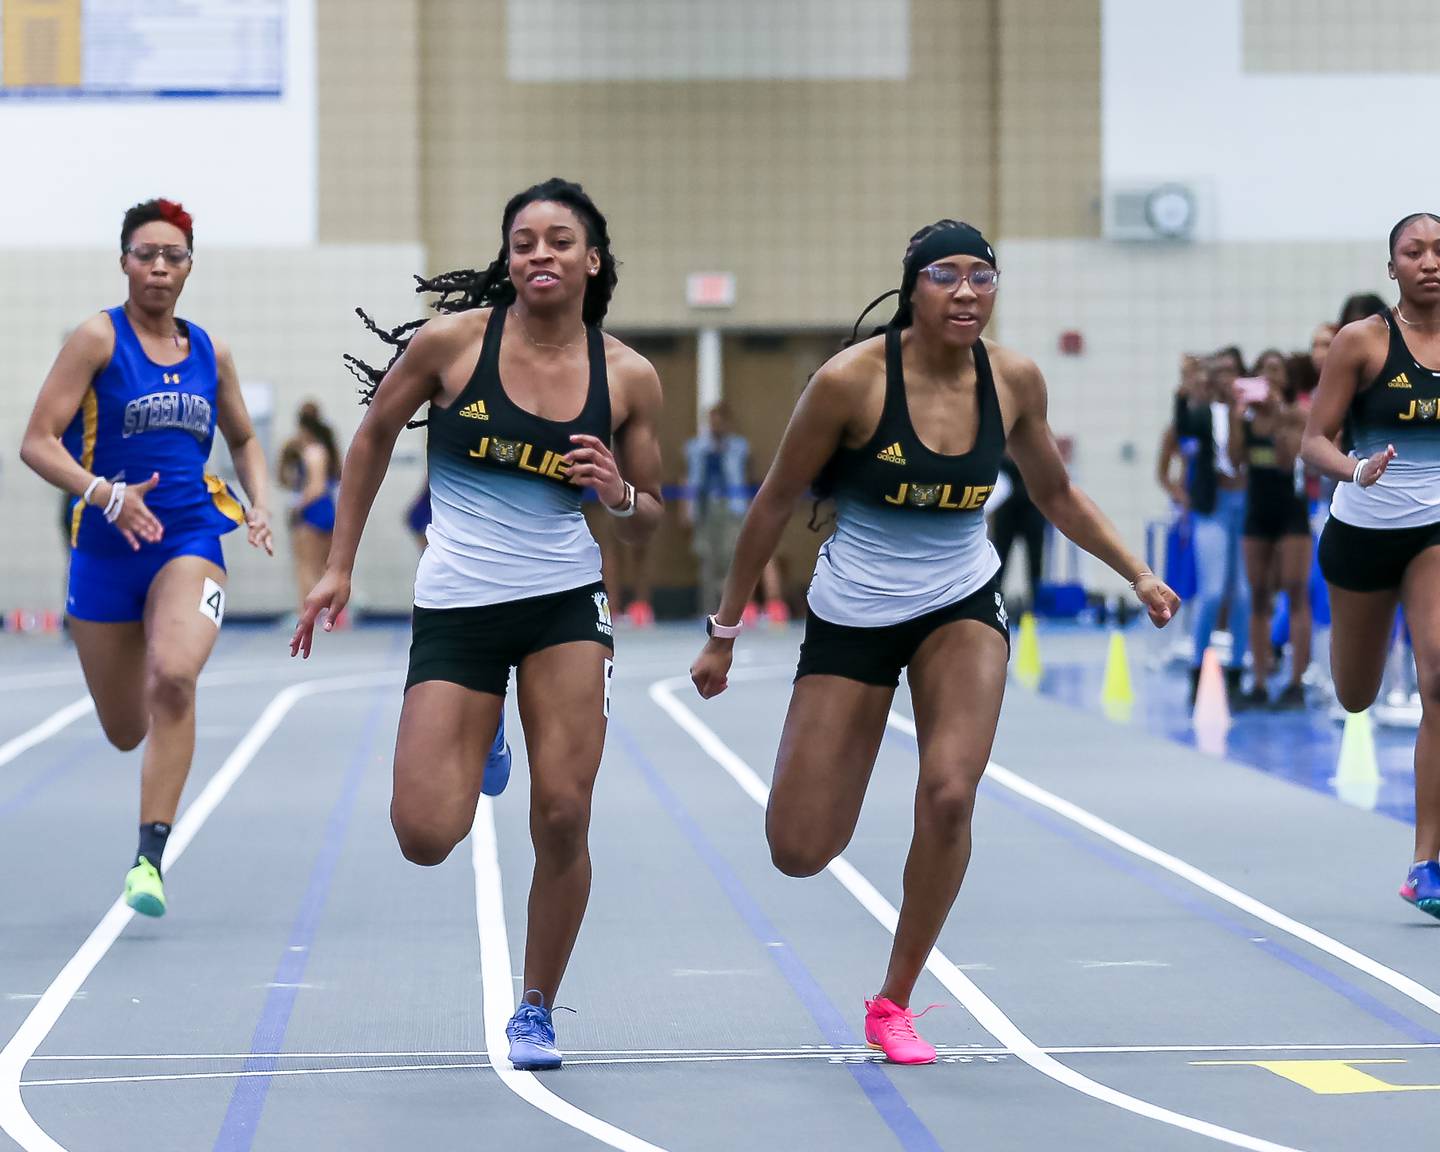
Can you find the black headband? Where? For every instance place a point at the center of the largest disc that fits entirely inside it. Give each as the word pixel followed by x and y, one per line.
pixel 954 240
pixel 951 240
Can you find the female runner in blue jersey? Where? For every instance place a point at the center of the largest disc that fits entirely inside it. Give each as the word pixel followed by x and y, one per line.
pixel 525 394
pixel 124 423
pixel 310 467
pixel 906 430
pixel 1380 548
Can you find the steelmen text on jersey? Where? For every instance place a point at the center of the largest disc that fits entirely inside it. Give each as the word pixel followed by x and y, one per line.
pixel 138 418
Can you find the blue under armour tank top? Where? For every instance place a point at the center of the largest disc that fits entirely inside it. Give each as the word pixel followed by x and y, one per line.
pixel 910 523
pixel 139 417
pixel 505 520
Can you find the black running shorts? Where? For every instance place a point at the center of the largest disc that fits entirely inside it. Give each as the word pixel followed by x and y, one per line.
pixel 1276 519
pixel 1371 559
pixel 877 655
pixel 477 647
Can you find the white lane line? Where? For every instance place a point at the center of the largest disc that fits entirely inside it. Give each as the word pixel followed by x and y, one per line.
pixel 497 988
pixel 986 1013
pixel 817 1050
pixel 1201 879
pixel 70 675
pixel 61 719
pixel 837 1055
pixel 57 721
pixel 15 1120
pixel 278 670
pixel 261 673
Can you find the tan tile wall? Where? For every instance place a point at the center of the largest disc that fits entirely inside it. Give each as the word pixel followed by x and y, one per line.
pixel 806 190
pixel 1048 118
pixel 368 83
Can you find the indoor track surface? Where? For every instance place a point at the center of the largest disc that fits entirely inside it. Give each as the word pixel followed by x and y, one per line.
pixel 1154 948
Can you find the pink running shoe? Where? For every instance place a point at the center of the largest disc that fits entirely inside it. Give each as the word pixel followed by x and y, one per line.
pixel 777 611
pixel 639 614
pixel 891 1029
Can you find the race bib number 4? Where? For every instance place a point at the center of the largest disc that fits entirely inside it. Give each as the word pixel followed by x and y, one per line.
pixel 212 602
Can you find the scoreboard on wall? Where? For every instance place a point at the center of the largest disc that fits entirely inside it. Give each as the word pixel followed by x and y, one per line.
pixel 128 49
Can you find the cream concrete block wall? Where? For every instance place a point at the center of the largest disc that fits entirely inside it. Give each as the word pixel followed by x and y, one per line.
pixel 1140 307
pixel 288 315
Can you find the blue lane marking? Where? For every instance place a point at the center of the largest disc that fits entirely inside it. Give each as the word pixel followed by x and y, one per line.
pixel 1178 894
pixel 56 767
pixel 873 1080
pixel 247 1100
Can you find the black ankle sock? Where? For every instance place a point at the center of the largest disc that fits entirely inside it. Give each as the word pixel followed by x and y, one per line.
pixel 152 843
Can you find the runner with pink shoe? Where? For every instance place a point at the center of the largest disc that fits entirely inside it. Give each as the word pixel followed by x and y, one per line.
pixel 906 430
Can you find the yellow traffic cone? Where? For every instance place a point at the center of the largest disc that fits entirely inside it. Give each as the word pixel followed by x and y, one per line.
pixel 1117 698
pixel 1027 655
pixel 1357 775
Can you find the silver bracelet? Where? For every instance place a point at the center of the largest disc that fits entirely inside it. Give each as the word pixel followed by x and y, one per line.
pixel 627 508
pixel 1359 470
pixel 116 501
pixel 90 489
pixel 1140 576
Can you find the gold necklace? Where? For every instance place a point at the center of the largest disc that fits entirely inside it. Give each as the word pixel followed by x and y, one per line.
pixel 1411 323
pixel 524 331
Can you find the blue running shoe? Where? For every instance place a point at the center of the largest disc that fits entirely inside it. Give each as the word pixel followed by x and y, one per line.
pixel 1422 888
pixel 497 763
pixel 532 1036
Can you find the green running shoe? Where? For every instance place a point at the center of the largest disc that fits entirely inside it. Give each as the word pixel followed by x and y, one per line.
pixel 144 891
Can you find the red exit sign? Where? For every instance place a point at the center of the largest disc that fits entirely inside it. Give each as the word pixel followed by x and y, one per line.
pixel 710 290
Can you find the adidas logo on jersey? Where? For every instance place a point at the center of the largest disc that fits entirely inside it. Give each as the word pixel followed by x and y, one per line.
pixel 1400 381
pixel 475 411
pixel 892 454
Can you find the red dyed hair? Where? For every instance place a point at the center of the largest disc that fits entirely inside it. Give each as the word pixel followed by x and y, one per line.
pixel 148 211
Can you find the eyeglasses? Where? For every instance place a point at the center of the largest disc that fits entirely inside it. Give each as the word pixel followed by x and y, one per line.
pixel 172 254
pixel 983 281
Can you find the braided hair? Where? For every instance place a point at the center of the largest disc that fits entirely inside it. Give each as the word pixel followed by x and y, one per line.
pixel 466 289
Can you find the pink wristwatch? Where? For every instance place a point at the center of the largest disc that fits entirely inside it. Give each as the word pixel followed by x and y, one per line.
pixel 715 629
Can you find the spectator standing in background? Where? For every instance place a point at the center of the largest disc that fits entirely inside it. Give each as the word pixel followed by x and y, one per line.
pixel 1359 306
pixel 1304 368
pixel 715 499
pixel 1213 489
pixel 1017 517
pixel 1267 430
pixel 310 468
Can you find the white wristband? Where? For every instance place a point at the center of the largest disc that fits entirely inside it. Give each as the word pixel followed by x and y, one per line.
pixel 1359 471
pixel 90 489
pixel 626 509
pixel 116 502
